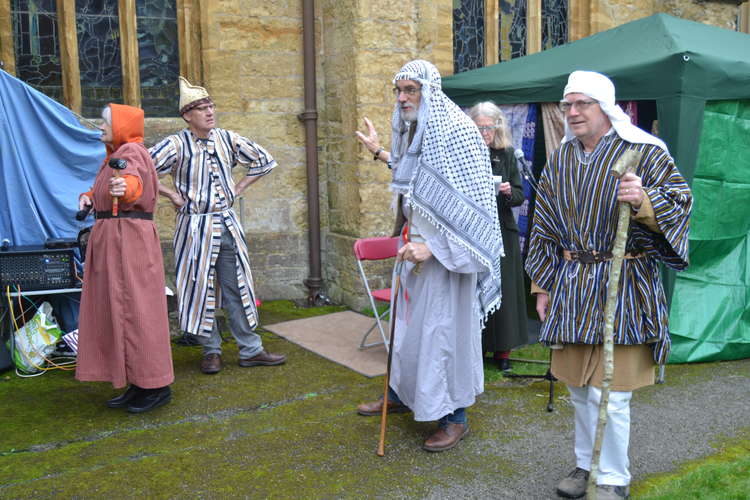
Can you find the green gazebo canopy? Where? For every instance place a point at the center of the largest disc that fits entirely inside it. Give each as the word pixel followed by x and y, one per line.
pixel 679 64
pixel 699 77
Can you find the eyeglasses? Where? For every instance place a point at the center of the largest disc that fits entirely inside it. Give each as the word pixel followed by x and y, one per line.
pixel 580 105
pixel 206 108
pixel 486 128
pixel 410 91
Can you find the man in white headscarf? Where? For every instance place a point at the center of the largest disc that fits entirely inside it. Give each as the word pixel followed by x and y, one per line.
pixel 570 249
pixel 451 245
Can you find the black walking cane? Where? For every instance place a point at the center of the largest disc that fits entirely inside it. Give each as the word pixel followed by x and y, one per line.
pixel 384 411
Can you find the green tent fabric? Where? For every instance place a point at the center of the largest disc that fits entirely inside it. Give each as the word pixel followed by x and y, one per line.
pixel 681 65
pixel 710 315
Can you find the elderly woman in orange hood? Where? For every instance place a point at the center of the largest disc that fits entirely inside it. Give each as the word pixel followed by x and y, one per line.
pixel 123 325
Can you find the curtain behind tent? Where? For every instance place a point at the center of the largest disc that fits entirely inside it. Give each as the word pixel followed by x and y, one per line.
pixel 710 317
pixel 521 120
pixel 48 158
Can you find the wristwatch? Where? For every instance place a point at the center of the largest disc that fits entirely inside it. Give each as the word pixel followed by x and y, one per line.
pixel 377 153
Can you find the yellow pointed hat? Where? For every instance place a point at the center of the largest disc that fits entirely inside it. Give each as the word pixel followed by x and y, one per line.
pixel 191 96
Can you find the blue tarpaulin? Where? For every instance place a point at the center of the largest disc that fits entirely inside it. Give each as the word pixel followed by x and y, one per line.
pixel 47 158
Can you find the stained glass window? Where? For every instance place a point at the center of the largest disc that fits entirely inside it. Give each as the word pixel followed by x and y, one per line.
pixel 98 28
pixel 554 23
pixel 36 45
pixel 159 57
pixel 512 29
pixel 468 35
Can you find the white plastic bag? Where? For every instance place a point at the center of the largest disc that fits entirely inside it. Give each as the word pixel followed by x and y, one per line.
pixel 36 340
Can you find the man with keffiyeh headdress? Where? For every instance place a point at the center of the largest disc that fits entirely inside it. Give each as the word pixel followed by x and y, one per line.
pixel 570 253
pixel 451 245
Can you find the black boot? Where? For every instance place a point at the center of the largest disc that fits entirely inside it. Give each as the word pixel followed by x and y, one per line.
pixel 150 399
pixel 503 364
pixel 126 397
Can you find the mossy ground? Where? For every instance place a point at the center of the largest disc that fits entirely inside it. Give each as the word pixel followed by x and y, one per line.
pixel 266 432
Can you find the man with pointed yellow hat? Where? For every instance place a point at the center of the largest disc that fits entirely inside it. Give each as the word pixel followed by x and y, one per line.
pixel 211 258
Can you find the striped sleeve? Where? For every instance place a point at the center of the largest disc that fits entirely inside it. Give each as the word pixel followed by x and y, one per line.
pixel 672 202
pixel 544 247
pixel 165 155
pixel 258 160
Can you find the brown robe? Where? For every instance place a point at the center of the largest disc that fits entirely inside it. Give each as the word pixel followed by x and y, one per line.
pixel 123 333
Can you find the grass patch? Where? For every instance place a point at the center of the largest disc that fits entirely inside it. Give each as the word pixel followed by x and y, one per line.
pixel 276 311
pixel 367 311
pixel 532 352
pixel 724 476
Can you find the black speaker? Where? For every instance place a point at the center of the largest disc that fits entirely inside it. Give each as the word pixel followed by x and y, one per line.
pixel 37 268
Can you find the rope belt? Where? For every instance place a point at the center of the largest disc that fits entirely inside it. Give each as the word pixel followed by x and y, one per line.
pixel 592 257
pixel 125 215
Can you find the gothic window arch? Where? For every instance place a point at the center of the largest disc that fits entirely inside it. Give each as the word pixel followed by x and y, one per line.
pixel 90 52
pixel 490 31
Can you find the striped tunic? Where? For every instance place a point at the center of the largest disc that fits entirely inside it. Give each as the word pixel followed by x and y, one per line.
pixel 202 173
pixel 576 209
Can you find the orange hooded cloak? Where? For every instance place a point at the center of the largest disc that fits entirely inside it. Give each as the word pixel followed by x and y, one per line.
pixel 123 333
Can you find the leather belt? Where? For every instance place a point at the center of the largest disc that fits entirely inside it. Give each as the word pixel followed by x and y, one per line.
pixel 125 215
pixel 592 257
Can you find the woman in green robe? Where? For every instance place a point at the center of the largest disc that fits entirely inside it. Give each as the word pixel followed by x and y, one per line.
pixel 506 327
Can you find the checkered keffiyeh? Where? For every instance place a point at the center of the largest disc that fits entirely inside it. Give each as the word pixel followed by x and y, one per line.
pixel 447 172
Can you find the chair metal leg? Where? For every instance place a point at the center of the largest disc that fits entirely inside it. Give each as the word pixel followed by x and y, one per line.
pixel 377 323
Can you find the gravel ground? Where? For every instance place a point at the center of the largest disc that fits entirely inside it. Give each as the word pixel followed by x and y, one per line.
pixel 682 420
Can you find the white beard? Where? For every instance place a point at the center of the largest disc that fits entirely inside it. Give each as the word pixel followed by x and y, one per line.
pixel 409 115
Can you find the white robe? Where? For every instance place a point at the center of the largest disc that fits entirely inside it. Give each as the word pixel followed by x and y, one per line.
pixel 437 348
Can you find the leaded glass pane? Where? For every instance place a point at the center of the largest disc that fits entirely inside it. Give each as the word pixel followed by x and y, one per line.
pixel 554 23
pixel 159 57
pixel 99 54
pixel 468 35
pixel 512 39
pixel 37 49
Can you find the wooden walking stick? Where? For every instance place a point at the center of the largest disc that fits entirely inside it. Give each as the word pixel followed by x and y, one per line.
pixel 626 163
pixel 384 411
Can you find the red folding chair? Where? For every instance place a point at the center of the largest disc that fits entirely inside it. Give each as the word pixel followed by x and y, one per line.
pixel 375 249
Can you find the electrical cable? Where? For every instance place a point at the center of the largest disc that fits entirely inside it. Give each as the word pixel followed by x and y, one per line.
pixel 55 362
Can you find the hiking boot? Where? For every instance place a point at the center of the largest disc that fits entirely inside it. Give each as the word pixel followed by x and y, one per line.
pixel 446 437
pixel 211 363
pixel 263 359
pixel 573 486
pixel 375 408
pixel 609 492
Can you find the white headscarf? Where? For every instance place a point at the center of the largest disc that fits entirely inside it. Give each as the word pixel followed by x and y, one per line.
pixel 446 171
pixel 601 88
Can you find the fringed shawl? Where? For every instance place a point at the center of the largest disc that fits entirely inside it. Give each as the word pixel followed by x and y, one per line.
pixel 447 172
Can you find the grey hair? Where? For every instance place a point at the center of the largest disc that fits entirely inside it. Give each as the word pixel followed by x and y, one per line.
pixel 107 115
pixel 502 138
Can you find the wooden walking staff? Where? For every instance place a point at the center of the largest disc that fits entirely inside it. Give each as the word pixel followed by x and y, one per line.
pixel 384 411
pixel 626 163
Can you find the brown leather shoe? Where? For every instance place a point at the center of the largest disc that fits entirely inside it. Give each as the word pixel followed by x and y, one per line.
pixel 263 359
pixel 446 437
pixel 376 408
pixel 211 363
